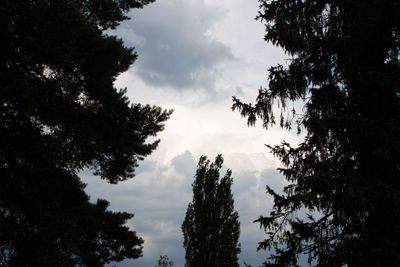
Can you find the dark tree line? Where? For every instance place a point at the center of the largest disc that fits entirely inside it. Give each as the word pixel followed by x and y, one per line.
pixel 346 173
pixel 60 113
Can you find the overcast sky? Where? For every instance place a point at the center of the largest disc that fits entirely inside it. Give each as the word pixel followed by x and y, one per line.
pixel 194 55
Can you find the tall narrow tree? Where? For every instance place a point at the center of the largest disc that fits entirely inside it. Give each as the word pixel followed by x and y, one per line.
pixel 211 227
pixel 60 113
pixel 164 261
pixel 345 67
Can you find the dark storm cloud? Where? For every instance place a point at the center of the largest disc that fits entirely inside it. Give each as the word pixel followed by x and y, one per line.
pixel 174 49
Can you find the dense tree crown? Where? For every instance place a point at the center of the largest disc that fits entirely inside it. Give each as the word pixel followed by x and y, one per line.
pixel 60 113
pixel 345 174
pixel 211 227
pixel 164 261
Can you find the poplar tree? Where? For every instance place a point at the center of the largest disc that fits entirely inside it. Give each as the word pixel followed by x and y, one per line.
pixel 211 227
pixel 164 261
pixel 342 204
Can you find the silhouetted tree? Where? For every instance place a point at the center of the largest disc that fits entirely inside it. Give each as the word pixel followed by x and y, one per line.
pixel 345 174
pixel 59 114
pixel 163 261
pixel 211 227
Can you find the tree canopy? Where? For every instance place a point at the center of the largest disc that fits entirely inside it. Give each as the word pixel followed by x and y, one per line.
pixel 164 261
pixel 59 114
pixel 211 227
pixel 342 204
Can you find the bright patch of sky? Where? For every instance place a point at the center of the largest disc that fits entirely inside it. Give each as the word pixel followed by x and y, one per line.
pixel 194 55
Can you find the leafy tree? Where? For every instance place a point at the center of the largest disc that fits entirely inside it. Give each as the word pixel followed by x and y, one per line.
pixel 211 227
pixel 59 114
pixel 163 261
pixel 345 174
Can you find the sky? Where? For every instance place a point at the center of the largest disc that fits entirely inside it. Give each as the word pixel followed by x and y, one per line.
pixel 193 56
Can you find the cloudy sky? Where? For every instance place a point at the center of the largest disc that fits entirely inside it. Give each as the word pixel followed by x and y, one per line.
pixel 194 55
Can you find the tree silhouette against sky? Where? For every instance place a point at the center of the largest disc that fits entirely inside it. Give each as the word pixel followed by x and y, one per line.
pixel 345 175
pixel 60 113
pixel 211 227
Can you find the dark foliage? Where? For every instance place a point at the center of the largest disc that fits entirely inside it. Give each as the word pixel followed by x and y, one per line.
pixel 345 68
pixel 164 261
pixel 59 114
pixel 211 227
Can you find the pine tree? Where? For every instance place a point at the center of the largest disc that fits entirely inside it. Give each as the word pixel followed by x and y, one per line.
pixel 59 114
pixel 345 175
pixel 211 227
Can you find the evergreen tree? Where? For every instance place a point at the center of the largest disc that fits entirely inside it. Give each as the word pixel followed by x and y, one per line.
pixel 345 68
pixel 60 113
pixel 211 227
